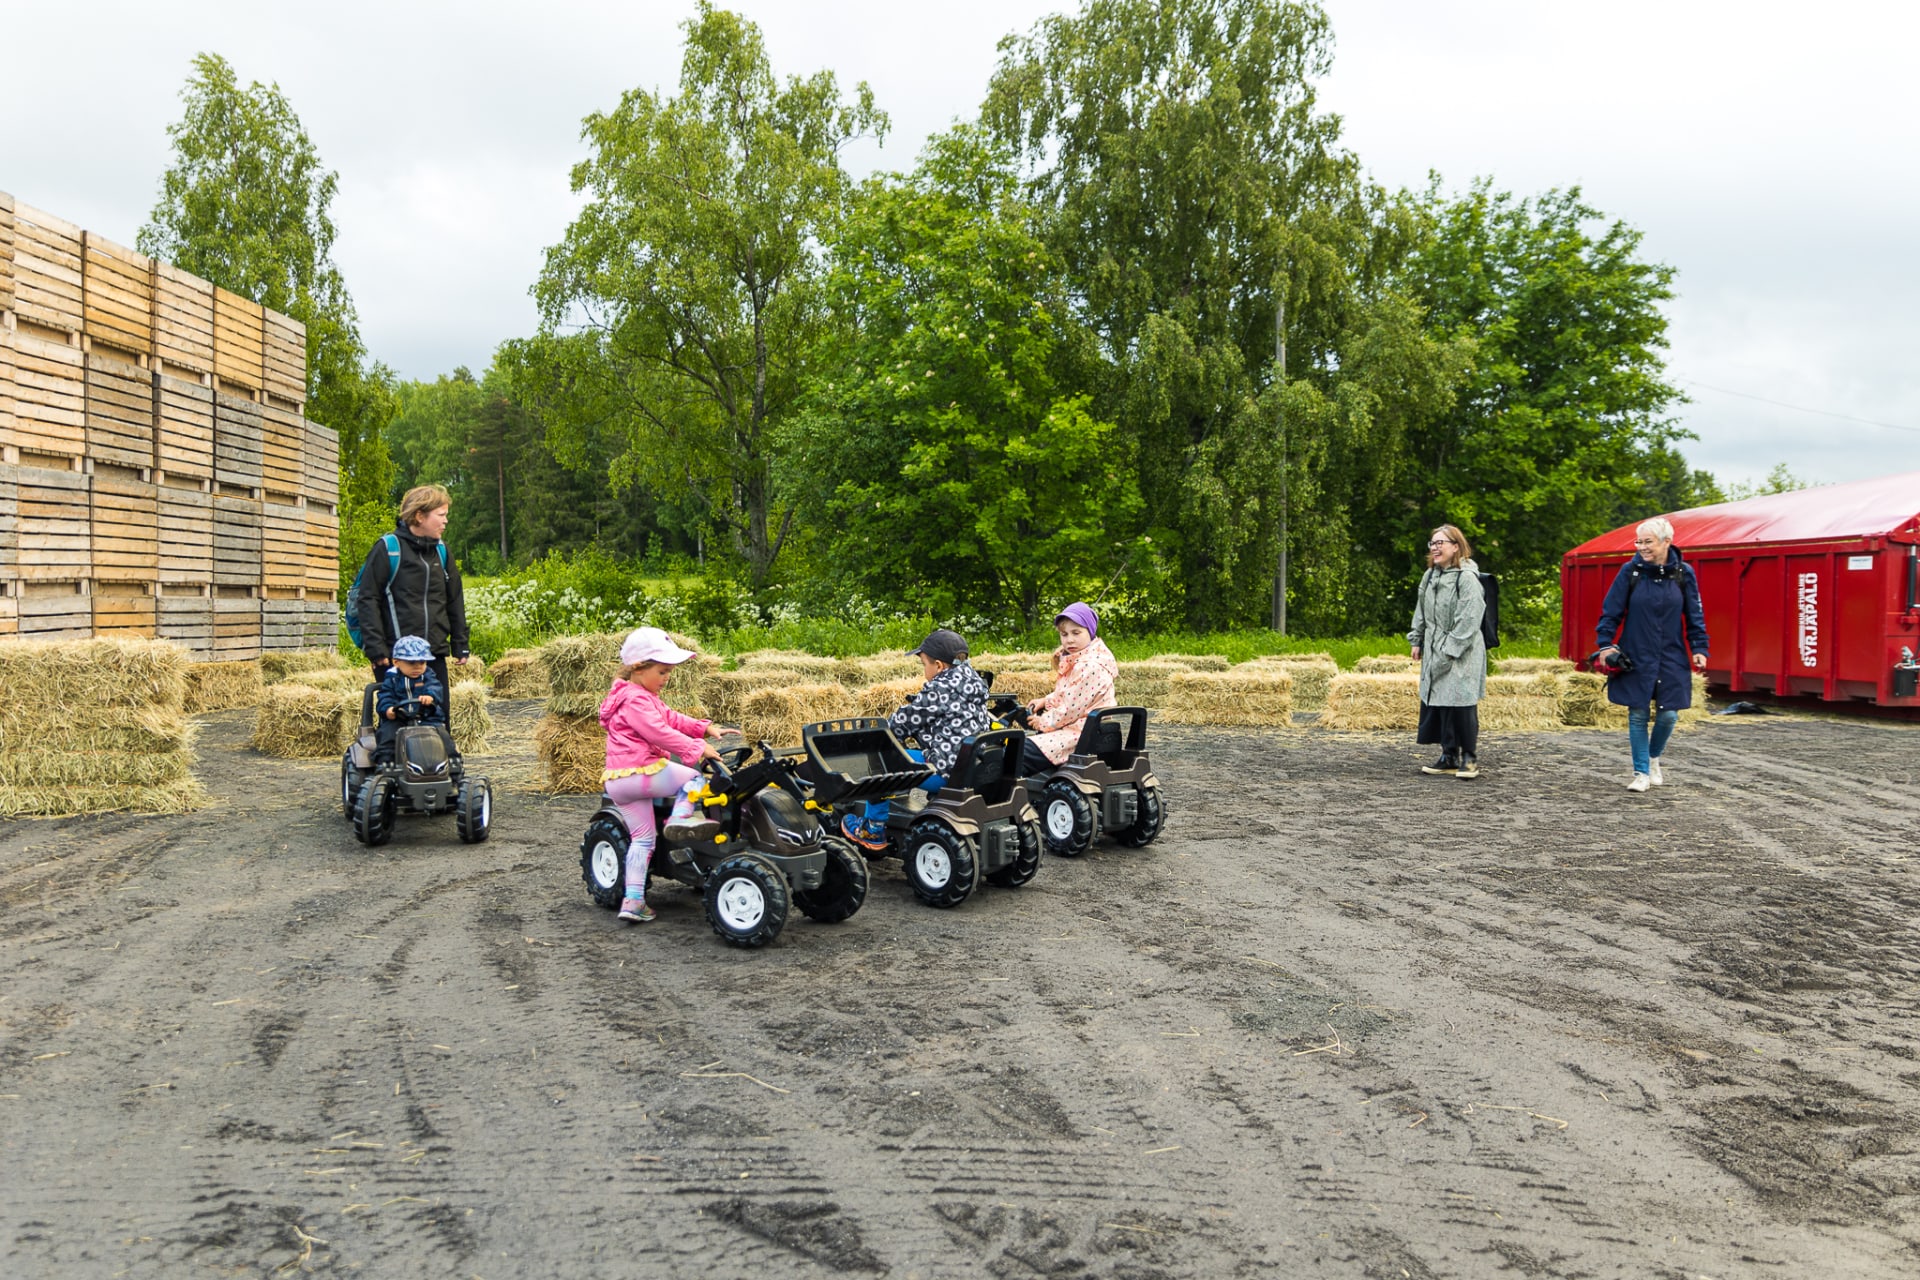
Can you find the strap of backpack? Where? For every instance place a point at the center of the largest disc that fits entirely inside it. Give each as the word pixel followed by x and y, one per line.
pixel 393 568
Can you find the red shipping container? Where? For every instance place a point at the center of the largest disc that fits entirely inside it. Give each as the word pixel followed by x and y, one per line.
pixel 1814 592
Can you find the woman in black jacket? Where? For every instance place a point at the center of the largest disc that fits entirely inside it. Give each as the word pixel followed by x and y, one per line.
pixel 410 586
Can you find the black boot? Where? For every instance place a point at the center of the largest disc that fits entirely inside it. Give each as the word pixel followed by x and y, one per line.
pixel 1469 768
pixel 1448 764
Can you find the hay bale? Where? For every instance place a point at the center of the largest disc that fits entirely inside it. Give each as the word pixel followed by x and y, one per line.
pixel 1312 676
pixel 1522 703
pixel 1024 685
pixel 151 730
pixel 1699 710
pixel 686 690
pixel 68 678
pixel 1386 664
pixel 1145 684
pixel 520 674
pixel 1582 702
pixel 299 722
pixel 50 769
pixel 574 751
pixel 276 668
pixel 221 686
pixel 884 697
pixel 1373 700
pixel 1292 657
pixel 343 680
pixel 1532 666
pixel 180 796
pixel 857 673
pixel 816 670
pixel 1262 697
pixel 1006 663
pixel 1196 661
pixel 468 718
pixel 774 714
pixel 582 664
pixel 725 693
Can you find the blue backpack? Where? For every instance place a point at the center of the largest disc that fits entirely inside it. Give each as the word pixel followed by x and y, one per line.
pixel 352 611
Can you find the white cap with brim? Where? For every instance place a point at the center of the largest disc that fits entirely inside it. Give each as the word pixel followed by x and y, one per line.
pixel 650 644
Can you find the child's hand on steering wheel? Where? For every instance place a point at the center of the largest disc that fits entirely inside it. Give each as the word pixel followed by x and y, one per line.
pixel 707 751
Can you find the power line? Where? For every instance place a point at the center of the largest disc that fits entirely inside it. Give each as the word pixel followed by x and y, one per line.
pixel 1798 408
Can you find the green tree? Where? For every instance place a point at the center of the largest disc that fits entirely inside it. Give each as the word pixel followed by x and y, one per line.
pixel 1779 480
pixel 246 204
pixel 966 474
pixel 692 276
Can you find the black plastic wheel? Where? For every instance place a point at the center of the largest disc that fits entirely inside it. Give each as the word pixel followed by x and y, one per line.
pixel 373 811
pixel 941 864
pixel 747 900
pixel 473 810
pixel 1147 823
pixel 1068 821
pixel 1025 863
pixel 603 861
pixel 351 780
pixel 843 886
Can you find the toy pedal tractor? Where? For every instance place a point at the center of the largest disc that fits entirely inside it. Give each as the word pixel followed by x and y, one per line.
pixel 424 775
pixel 981 824
pixel 1106 786
pixel 770 855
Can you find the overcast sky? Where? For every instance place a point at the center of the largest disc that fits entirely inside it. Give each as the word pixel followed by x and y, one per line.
pixel 1767 151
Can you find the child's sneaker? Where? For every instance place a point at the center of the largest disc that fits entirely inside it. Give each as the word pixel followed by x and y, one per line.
pixel 861 832
pixel 690 830
pixel 635 910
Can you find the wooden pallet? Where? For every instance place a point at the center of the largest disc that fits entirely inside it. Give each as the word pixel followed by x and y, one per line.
pixel 236 442
pixel 182 319
pixel 322 624
pixel 186 533
pixel 183 446
pixel 283 546
pixel 55 610
pixel 126 526
pixel 119 410
pixel 283 370
pixel 238 332
pixel 283 450
pixel 185 619
pixel 117 294
pixel 236 627
pixel 236 541
pixel 55 524
pixel 323 550
pixel 9 616
pixel 123 608
pixel 6 258
pixel 46 396
pixel 9 521
pixel 323 465
pixel 283 624
pixel 46 269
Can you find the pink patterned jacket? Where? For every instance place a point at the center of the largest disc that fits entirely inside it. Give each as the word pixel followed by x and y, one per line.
pixel 1084 683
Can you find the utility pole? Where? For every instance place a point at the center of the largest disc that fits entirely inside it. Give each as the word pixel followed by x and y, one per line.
pixel 1280 412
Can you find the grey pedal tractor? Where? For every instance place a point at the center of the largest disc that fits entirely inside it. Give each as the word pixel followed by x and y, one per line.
pixel 1106 787
pixel 979 826
pixel 425 775
pixel 770 855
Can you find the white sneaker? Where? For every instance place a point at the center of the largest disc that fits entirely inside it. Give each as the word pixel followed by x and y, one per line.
pixel 1653 772
pixel 1640 782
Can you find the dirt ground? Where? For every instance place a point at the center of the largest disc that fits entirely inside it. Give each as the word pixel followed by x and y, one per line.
pixel 1343 1020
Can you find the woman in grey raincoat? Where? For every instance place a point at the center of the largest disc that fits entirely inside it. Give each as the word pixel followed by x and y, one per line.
pixel 1453 655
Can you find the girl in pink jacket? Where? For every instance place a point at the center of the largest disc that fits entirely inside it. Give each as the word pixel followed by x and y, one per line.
pixel 644 735
pixel 1084 671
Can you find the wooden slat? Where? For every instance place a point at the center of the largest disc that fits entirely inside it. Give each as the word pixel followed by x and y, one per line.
pixel 186 620
pixel 237 442
pixel 119 411
pixel 323 624
pixel 186 534
pixel 283 624
pixel 125 534
pixel 46 269
pixel 283 447
pixel 238 332
pixel 323 549
pixel 9 520
pixel 322 465
pixel 6 253
pixel 9 616
pixel 236 541
pixel 55 524
pixel 122 608
pixel 284 357
pixel 55 611
pixel 182 318
pixel 236 629
pixel 184 437
pixel 283 545
pixel 47 396
pixel 118 294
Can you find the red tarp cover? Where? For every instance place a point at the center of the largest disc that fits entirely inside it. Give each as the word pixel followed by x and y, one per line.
pixel 1861 509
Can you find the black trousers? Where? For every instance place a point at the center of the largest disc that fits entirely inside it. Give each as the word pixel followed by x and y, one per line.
pixel 1033 760
pixel 1456 729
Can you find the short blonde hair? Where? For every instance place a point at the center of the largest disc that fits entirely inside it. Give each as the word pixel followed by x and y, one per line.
pixel 421 499
pixel 633 669
pixel 1657 527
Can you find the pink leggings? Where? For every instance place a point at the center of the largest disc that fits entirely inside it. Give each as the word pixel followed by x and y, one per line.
pixel 635 794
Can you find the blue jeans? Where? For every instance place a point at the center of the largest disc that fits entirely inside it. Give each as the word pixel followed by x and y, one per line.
pixel 875 822
pixel 1643 749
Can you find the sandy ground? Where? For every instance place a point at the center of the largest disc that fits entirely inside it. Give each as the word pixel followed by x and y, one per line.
pixel 1342 1020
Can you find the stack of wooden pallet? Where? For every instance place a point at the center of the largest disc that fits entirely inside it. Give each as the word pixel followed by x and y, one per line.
pixel 158 475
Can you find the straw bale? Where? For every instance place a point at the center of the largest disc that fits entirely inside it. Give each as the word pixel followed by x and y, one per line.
pixel 180 796
pixel 520 674
pixel 884 697
pixel 93 768
pixel 814 668
pixel 1386 663
pixel 468 718
pixel 574 750
pixel 300 722
pixel 1699 710
pixel 1006 663
pixel 474 668
pixel 774 715
pixel 1196 661
pixel 573 706
pixel 1373 700
pixel 1145 684
pixel 60 676
pixel 337 680
pixel 582 664
pixel 1312 676
pixel 1024 685
pixel 148 730
pixel 1522 703
pixel 879 668
pixel 278 667
pixel 725 693
pixel 1532 666
pixel 1583 702
pixel 220 686
pixel 1241 697
pixel 687 686
pixel 1292 657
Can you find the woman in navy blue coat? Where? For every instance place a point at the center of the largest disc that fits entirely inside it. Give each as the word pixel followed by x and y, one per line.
pixel 1652 613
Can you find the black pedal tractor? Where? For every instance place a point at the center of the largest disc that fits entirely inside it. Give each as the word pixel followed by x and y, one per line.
pixel 1106 787
pixel 424 775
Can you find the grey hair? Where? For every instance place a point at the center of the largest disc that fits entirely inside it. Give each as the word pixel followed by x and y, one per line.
pixel 1657 527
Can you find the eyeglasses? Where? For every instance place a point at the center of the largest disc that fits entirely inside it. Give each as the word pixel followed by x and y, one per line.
pixel 1441 542
pixel 1646 542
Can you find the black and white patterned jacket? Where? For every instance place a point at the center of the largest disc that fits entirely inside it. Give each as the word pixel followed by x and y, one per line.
pixel 949 708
